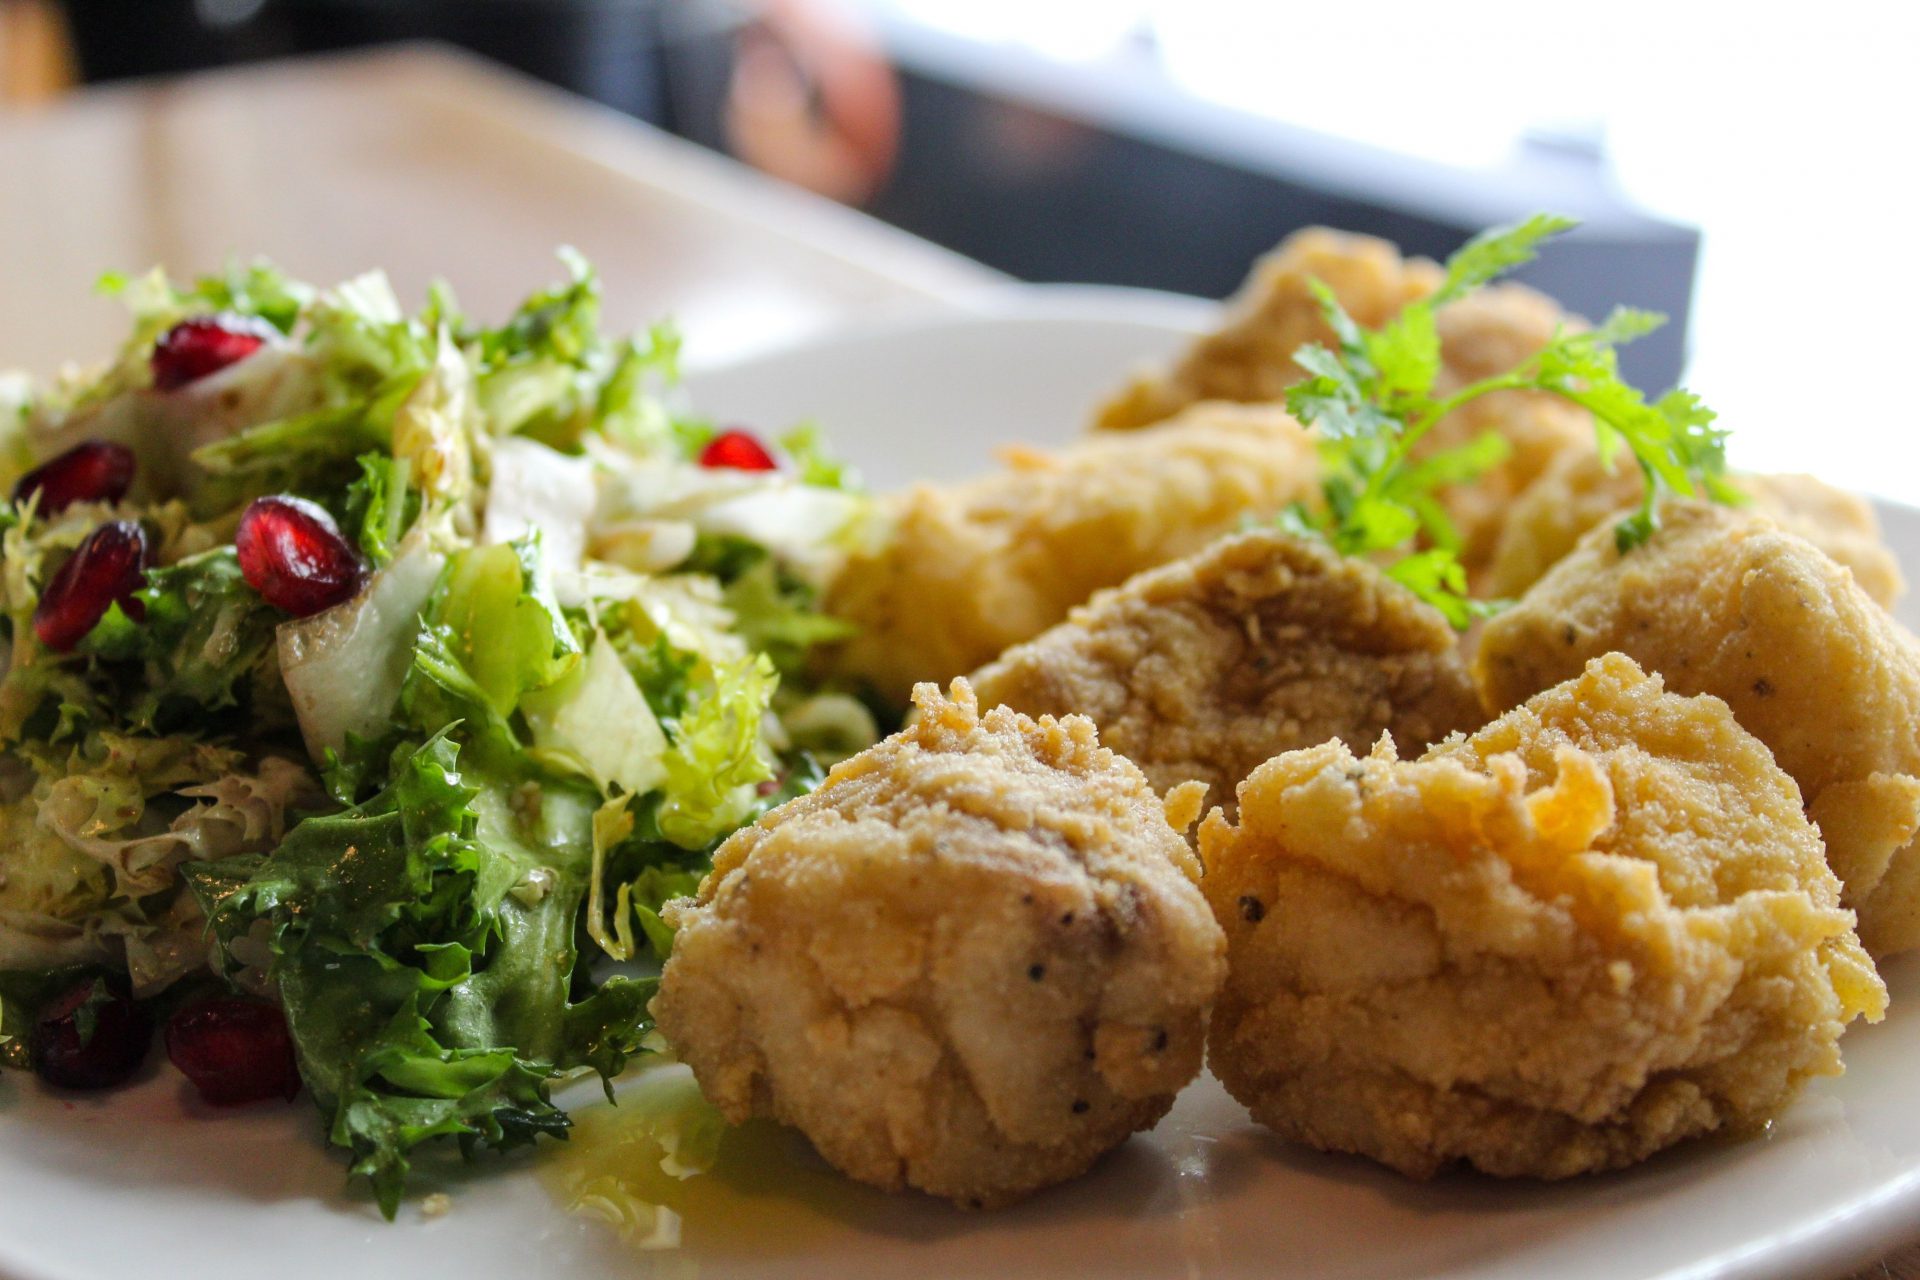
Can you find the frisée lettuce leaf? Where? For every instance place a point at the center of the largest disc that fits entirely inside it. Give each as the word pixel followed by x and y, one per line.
pixel 553 679
pixel 424 952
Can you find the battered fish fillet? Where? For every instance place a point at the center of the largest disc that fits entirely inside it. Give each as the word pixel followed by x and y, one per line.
pixel 1578 491
pixel 1250 359
pixel 1723 601
pixel 963 571
pixel 1210 666
pixel 972 962
pixel 1596 928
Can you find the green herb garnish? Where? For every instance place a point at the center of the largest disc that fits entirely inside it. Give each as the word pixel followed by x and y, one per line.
pixel 1372 400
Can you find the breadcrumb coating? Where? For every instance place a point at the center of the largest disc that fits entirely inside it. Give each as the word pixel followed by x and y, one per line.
pixel 1250 359
pixel 1263 643
pixel 963 571
pixel 1578 491
pixel 971 962
pixel 1723 601
pixel 1598 927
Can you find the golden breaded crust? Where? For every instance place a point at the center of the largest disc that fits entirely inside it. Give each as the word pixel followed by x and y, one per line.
pixel 963 571
pixel 971 962
pixel 1263 643
pixel 1483 335
pixel 1274 313
pixel 1578 491
pixel 1250 359
pixel 1538 428
pixel 1723 601
pixel 1597 927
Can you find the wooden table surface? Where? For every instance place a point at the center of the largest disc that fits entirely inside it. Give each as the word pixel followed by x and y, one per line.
pixel 431 164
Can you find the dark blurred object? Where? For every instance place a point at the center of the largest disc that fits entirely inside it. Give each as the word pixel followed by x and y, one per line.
pixel 1108 174
pixel 1072 173
pixel 608 50
pixel 1049 171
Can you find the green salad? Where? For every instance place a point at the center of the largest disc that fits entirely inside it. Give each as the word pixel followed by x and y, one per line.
pixel 391 669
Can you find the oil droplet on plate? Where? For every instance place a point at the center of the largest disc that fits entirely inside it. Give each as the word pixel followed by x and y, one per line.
pixel 765 1193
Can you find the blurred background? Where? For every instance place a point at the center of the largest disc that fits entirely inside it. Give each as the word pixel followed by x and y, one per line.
pixel 1744 170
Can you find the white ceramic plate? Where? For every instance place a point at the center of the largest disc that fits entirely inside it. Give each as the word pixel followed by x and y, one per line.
pixel 146 1182
pixel 926 395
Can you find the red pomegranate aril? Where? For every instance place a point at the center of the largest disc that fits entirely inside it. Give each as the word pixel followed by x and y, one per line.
pixel 738 450
pixel 234 1051
pixel 292 553
pixel 105 569
pixel 203 345
pixel 96 471
pixel 66 1052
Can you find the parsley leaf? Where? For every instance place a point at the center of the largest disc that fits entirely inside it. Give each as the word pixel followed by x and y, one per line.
pixel 1371 398
pixel 1495 252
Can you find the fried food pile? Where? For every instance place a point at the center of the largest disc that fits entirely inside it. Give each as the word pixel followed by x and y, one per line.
pixel 1597 927
pixel 1208 667
pixel 971 962
pixel 966 570
pixel 1579 491
pixel 1723 601
pixel 1250 359
pixel 1641 904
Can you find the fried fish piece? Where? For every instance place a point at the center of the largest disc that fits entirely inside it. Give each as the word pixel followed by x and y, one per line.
pixel 1264 642
pixel 1578 491
pixel 963 571
pixel 1250 359
pixel 1723 601
pixel 1598 927
pixel 971 962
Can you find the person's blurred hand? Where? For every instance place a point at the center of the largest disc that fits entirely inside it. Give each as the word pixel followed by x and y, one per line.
pixel 814 100
pixel 35 62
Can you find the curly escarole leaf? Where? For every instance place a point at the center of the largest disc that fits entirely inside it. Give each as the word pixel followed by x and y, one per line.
pixel 257 289
pixel 549 374
pixel 780 616
pixel 381 506
pixel 205 636
pixel 201 660
pixel 92 836
pixel 492 633
pixel 597 719
pixel 424 949
pixel 717 758
pixel 22 994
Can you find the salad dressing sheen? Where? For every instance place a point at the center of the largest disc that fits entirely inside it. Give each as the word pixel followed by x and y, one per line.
pixel 766 1193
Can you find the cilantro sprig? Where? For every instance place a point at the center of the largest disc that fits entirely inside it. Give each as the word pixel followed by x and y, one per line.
pixel 1372 399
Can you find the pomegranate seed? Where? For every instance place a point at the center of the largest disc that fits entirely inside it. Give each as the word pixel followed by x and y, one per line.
pixel 739 451
pixel 93 1036
pixel 202 345
pixel 96 471
pixel 235 1051
pixel 292 553
pixel 105 569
